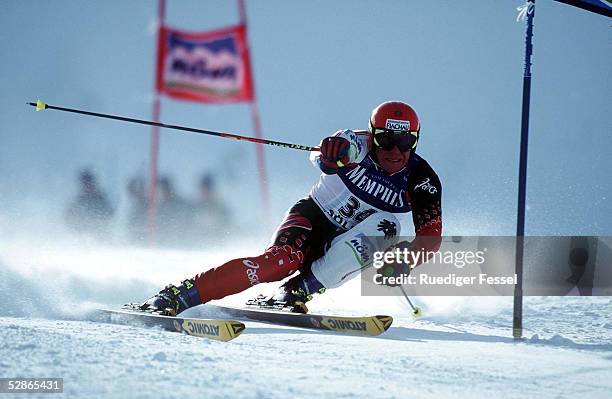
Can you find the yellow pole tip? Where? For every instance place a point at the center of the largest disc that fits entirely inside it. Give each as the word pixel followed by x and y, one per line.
pixel 417 313
pixel 40 106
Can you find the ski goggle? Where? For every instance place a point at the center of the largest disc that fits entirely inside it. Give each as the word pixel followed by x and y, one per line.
pixel 388 139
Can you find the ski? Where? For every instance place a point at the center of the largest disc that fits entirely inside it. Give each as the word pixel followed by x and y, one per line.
pixel 363 326
pixel 217 329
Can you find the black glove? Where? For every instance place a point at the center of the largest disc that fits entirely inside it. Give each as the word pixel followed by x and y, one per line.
pixel 393 269
pixel 335 152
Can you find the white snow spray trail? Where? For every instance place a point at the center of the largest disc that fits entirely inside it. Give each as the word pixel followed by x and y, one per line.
pixel 66 280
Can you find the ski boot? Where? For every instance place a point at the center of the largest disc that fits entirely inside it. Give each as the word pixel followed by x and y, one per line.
pixel 173 300
pixel 292 295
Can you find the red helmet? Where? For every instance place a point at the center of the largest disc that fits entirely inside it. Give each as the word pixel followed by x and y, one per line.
pixel 395 117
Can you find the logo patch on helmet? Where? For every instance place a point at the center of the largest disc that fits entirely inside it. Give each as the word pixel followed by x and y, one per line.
pixel 395 124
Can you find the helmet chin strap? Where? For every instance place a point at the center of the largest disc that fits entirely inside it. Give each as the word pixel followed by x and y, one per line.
pixel 375 159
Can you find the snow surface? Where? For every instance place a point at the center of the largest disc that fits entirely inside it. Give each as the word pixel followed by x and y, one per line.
pixel 462 347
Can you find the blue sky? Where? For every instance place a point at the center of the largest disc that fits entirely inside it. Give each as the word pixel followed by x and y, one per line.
pixel 319 66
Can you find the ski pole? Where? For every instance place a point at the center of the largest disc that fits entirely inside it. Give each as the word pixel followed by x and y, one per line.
pixel 41 106
pixel 416 311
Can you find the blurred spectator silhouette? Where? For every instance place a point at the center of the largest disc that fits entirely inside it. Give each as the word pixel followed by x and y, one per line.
pixel 90 213
pixel 211 215
pixel 174 217
pixel 137 217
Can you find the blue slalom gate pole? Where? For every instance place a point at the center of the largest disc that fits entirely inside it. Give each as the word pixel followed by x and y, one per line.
pixel 517 319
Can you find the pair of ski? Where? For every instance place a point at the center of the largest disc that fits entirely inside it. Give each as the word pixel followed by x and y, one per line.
pixel 226 330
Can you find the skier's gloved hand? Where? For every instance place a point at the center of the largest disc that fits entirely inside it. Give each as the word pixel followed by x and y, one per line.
pixel 335 152
pixel 392 269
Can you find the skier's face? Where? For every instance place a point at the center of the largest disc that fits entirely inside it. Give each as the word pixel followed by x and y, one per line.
pixel 393 160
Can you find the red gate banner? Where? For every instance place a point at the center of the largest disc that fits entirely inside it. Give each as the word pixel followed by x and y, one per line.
pixel 212 67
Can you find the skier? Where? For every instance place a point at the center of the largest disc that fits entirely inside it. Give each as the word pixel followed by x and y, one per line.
pixel 368 177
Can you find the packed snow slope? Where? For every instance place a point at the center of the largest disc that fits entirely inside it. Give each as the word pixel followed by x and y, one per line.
pixel 462 347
